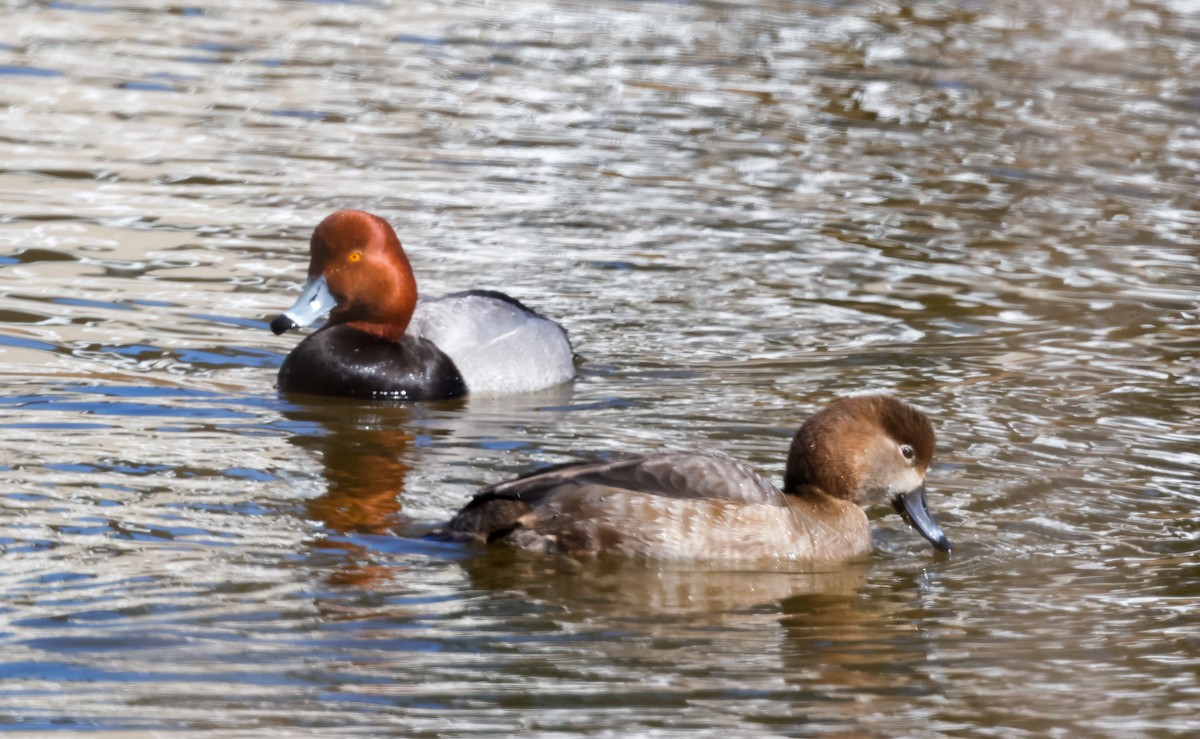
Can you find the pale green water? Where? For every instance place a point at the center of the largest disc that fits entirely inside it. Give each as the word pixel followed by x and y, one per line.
pixel 739 211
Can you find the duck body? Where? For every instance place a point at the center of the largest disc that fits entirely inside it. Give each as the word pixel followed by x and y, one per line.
pixel 687 506
pixel 500 346
pixel 382 341
pixel 704 506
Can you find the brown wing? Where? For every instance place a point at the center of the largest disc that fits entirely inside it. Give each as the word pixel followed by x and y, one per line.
pixel 672 474
pixel 497 511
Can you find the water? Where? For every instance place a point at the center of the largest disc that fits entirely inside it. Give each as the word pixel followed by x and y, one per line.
pixel 739 211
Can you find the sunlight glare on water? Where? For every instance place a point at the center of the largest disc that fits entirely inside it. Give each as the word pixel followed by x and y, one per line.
pixel 739 211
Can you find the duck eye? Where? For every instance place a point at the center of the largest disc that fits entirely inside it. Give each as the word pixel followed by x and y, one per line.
pixel 908 452
pixel 355 256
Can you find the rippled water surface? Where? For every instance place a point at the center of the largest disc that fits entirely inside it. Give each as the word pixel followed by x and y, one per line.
pixel 739 211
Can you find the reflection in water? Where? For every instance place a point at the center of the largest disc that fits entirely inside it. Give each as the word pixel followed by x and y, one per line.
pixel 633 589
pixel 363 449
pixel 854 648
pixel 367 451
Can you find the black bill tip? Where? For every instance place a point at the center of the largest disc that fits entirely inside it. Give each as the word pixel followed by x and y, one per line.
pixel 942 544
pixel 281 324
pixel 912 508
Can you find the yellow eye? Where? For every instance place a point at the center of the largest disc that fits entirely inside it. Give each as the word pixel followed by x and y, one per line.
pixel 355 256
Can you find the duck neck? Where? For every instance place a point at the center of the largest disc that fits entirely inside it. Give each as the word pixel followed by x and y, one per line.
pixel 386 331
pixel 811 496
pixel 382 307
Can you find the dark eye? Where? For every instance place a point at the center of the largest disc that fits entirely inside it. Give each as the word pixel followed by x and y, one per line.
pixel 908 452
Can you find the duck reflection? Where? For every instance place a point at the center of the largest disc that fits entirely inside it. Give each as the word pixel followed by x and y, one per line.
pixel 621 587
pixel 873 644
pixel 825 632
pixel 363 449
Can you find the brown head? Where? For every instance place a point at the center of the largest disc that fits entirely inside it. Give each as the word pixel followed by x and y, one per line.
pixel 357 267
pixel 867 449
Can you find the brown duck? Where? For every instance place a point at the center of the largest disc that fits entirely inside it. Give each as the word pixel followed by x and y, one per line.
pixel 854 453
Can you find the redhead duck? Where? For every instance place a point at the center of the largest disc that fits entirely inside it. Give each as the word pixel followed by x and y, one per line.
pixel 856 452
pixel 380 342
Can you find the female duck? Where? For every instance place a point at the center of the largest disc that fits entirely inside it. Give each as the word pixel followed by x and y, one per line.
pixel 693 506
pixel 380 342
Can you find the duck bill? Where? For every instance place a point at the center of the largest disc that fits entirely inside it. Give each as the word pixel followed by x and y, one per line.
pixel 315 301
pixel 912 508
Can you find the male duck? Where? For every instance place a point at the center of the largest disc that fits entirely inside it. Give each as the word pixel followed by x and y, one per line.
pixel 380 342
pixel 697 506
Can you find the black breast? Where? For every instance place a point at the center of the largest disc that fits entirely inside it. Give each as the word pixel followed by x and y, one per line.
pixel 340 360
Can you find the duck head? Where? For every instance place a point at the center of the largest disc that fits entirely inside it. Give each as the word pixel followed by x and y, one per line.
pixel 868 449
pixel 359 273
